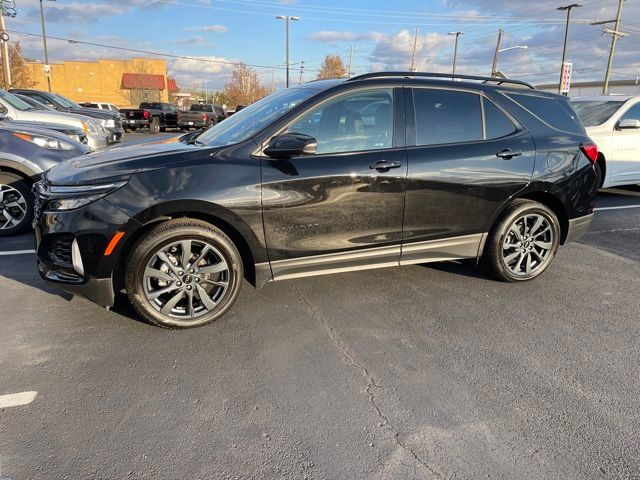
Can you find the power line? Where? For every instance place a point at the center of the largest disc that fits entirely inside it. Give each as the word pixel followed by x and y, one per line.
pixel 147 52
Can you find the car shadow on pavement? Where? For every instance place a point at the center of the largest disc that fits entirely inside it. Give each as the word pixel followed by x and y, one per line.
pixel 123 307
pixel 466 268
pixel 22 269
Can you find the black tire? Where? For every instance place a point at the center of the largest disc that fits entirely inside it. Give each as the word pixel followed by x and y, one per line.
pixel 154 126
pixel 127 129
pixel 184 129
pixel 208 125
pixel 13 186
pixel 163 129
pixel 133 129
pixel 495 259
pixel 163 236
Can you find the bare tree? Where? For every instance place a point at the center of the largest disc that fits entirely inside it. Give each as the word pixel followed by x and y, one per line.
pixel 244 87
pixel 21 74
pixel 141 90
pixel 332 67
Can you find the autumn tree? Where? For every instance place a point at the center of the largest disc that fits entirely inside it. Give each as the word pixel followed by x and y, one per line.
pixel 244 87
pixel 332 67
pixel 21 75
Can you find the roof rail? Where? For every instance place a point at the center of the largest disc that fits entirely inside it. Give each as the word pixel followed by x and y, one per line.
pixel 496 80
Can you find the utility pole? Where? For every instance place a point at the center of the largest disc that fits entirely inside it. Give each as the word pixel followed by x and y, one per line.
pixel 566 38
pixel 301 72
pixel 273 80
pixel 350 58
pixel 494 67
pixel 455 50
pixel 47 67
pixel 6 66
pixel 414 68
pixel 615 33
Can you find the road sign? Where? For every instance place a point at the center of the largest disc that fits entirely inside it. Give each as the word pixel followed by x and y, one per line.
pixel 47 70
pixel 567 68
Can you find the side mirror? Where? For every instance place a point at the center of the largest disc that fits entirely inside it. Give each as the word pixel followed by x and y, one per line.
pixel 291 144
pixel 628 124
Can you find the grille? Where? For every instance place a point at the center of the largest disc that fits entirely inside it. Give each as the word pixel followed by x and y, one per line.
pixel 60 250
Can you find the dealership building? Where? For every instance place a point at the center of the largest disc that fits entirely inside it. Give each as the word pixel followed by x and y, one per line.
pixel 123 83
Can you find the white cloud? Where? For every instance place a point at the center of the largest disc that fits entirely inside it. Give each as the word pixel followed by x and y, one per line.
pixel 194 40
pixel 207 28
pixel 331 36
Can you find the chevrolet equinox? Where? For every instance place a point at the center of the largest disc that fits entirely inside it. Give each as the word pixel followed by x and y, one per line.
pixel 382 169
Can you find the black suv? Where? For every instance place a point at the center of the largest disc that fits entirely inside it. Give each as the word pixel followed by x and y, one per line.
pixel 382 169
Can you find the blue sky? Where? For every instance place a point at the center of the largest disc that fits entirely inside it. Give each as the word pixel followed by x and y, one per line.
pixel 380 31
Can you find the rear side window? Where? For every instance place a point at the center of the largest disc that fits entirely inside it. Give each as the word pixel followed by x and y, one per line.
pixel 195 107
pixel 554 112
pixel 497 123
pixel 447 116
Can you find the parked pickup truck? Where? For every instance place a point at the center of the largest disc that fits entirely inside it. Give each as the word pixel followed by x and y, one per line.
pixel 200 116
pixel 158 116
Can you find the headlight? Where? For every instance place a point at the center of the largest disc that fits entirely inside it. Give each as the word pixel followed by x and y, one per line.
pixel 109 123
pixel 63 198
pixel 44 142
pixel 93 128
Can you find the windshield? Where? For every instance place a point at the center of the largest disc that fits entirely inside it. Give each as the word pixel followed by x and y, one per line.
pixel 594 113
pixel 64 102
pixel 250 120
pixel 15 102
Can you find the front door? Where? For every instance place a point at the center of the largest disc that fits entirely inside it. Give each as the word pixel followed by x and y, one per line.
pixel 625 164
pixel 340 209
pixel 466 157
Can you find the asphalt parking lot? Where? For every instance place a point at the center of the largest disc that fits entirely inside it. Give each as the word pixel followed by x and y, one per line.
pixel 427 372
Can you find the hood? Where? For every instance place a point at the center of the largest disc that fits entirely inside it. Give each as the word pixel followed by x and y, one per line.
pixel 122 162
pixel 95 113
pixel 28 126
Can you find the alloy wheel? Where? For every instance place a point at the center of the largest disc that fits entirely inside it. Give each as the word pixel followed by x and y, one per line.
pixel 13 207
pixel 186 279
pixel 528 245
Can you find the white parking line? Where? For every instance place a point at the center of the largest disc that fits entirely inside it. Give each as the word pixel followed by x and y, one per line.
pixel 17 399
pixel 17 252
pixel 617 208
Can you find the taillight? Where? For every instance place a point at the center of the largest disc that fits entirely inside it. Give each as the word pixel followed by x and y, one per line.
pixel 145 115
pixel 204 117
pixel 590 150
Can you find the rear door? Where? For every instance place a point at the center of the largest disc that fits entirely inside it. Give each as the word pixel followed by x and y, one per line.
pixel 341 208
pixel 466 157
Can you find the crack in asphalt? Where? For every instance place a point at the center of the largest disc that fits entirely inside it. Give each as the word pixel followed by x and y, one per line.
pixel 351 361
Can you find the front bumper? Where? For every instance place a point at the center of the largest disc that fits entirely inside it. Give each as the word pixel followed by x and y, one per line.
pixel 92 227
pixel 97 142
pixel 578 227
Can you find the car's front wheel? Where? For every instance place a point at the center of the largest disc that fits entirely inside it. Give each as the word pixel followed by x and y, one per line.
pixel 523 242
pixel 16 204
pixel 183 273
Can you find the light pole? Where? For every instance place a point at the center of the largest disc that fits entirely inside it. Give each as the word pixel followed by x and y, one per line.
pixel 500 50
pixel 206 92
pixel 286 19
pixel 566 38
pixel 47 67
pixel 455 50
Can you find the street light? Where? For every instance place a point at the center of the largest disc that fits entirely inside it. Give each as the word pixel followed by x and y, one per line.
pixel 47 67
pixel 500 50
pixel 522 47
pixel 566 37
pixel 206 91
pixel 286 18
pixel 455 50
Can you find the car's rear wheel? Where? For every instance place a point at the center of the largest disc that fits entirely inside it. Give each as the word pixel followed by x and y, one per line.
pixel 154 126
pixel 523 242
pixel 16 204
pixel 184 273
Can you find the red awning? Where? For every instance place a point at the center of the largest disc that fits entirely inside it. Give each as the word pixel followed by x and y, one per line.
pixel 142 81
pixel 172 85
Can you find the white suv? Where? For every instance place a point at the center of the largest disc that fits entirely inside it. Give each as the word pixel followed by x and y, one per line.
pixel 613 123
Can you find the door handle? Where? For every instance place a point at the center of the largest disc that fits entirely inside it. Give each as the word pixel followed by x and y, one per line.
pixel 508 154
pixel 384 166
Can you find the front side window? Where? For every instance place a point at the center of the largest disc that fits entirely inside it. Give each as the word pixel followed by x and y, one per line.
pixel 633 113
pixel 350 123
pixel 447 116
